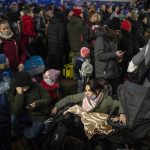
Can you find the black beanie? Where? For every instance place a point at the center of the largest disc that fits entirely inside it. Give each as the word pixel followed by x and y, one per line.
pixel 114 24
pixel 23 79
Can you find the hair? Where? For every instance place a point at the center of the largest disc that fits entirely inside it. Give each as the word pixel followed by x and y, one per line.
pixel 3 19
pixel 27 9
pixel 95 86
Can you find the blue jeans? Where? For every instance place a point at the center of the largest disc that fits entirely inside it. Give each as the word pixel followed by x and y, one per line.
pixel 30 128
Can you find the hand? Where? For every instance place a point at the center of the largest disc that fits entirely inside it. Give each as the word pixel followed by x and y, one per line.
pixel 116 119
pixel 54 111
pixel 122 119
pixel 20 67
pixel 19 90
pixel 119 53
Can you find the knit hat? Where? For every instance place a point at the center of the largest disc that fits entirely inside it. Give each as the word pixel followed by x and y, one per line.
pixel 84 52
pixel 114 24
pixel 126 25
pixel 77 12
pixel 52 74
pixel 23 79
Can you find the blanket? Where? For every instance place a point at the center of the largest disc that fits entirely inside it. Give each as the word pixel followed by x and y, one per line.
pixel 94 122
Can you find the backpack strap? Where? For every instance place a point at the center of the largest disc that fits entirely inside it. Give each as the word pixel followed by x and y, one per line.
pixel 80 58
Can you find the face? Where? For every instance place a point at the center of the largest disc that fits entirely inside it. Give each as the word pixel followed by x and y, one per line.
pixel 109 9
pixel 145 20
pixel 5 28
pixel 95 18
pixel 88 93
pixel 117 9
pixel 24 88
pixel 31 14
pixel 41 13
pixel 103 7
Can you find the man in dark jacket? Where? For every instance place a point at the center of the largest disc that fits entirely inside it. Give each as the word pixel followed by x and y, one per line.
pixel 56 33
pixel 29 106
pixel 74 29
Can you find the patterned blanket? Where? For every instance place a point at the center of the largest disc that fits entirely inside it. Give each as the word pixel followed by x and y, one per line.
pixel 94 123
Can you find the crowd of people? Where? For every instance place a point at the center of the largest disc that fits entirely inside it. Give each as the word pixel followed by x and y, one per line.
pixel 103 43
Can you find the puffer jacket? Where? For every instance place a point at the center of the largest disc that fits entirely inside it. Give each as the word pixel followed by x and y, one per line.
pixel 56 33
pixel 106 65
pixel 74 29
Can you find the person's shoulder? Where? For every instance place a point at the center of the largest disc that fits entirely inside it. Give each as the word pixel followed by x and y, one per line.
pixel 80 58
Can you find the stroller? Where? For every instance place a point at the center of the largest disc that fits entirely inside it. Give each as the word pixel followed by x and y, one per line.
pixel 135 100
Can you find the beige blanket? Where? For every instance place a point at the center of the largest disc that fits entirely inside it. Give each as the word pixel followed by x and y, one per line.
pixel 94 123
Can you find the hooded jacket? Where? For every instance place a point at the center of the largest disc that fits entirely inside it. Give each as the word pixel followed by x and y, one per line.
pixel 27 29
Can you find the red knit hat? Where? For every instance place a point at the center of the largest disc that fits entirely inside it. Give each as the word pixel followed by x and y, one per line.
pixel 85 52
pixel 126 25
pixel 77 11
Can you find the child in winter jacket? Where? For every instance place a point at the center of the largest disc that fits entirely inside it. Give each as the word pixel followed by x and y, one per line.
pixel 84 55
pixel 28 29
pixel 11 46
pixel 49 82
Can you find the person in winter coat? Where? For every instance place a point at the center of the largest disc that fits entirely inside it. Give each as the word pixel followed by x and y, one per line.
pixel 40 29
pixel 13 16
pixel 74 29
pixel 93 99
pixel 106 15
pixel 29 104
pixel 90 27
pixel 125 44
pixel 12 46
pixel 107 55
pixel 84 54
pixel 28 30
pixel 143 55
pixel 56 33
pixel 51 84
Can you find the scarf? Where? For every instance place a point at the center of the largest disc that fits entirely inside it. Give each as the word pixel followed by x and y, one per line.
pixel 89 104
pixel 6 37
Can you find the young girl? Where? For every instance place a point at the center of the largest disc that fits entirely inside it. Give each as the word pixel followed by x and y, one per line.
pixel 49 82
pixel 84 55
pixel 11 46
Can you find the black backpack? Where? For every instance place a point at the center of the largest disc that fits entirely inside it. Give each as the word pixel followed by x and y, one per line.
pixel 54 136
